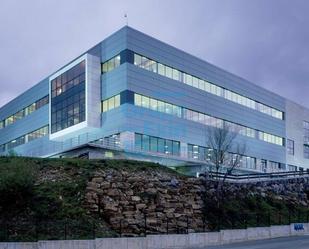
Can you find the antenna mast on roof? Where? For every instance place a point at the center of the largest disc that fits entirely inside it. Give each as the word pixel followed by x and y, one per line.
pixel 126 17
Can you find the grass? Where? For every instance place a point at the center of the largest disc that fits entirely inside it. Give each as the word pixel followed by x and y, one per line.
pixel 43 198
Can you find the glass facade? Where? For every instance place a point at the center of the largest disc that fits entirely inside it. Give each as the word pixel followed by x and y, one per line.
pixel 199 152
pixel 111 103
pixel 204 154
pixel 111 64
pixel 41 102
pixel 269 138
pixel 157 105
pixel 16 142
pixel 175 74
pixel 156 145
pixel 37 134
pixel 24 112
pixel 25 139
pixel 181 112
pixel 68 102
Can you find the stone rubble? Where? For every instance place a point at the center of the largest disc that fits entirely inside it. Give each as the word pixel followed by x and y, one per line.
pixel 131 201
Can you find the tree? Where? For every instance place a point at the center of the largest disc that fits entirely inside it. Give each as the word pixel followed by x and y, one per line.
pixel 225 154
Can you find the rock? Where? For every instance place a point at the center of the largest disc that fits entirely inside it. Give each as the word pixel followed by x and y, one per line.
pixel 140 206
pixel 136 198
pixel 128 196
pixel 113 192
pixel 111 207
pixel 97 179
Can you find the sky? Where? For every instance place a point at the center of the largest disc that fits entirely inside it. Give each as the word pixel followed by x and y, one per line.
pixel 263 41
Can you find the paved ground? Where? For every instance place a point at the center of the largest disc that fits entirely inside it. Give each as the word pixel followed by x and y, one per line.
pixel 301 242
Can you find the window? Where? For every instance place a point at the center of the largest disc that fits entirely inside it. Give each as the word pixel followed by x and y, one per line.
pixel 263 164
pixel 154 104
pixel 138 99
pixel 25 139
pixel 19 115
pixel 169 72
pixel 16 142
pixel 197 152
pixel 306 132
pixel 153 144
pixel 161 69
pixel 111 64
pixel 41 102
pixel 172 73
pixel 9 120
pixel 292 168
pixel 145 102
pixel 37 134
pixel 68 98
pixel 111 103
pixel 145 143
pixel 290 147
pixel 202 118
pixel 274 166
pixel 24 112
pixel 176 148
pixel 306 151
pixel 30 109
pixel 156 145
pixel 161 145
pixel 248 162
pixel 157 105
pixel 176 75
pixel 195 82
pixel 138 141
pixel 168 146
pixel 145 63
pixel 270 138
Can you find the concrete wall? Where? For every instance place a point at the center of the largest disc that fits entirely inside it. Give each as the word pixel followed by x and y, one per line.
pixel 193 240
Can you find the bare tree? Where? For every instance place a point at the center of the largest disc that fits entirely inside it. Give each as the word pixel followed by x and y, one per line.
pixel 225 154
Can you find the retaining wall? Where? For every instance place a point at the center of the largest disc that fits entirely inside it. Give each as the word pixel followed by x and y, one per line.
pixel 179 241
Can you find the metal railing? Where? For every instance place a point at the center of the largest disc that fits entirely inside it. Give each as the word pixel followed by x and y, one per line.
pixel 256 176
pixel 143 225
pixel 55 147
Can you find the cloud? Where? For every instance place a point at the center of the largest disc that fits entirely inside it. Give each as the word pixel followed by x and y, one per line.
pixel 260 40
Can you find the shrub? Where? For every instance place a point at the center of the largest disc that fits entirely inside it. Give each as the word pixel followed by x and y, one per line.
pixel 16 185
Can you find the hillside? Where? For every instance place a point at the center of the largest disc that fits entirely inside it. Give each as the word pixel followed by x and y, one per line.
pixel 74 198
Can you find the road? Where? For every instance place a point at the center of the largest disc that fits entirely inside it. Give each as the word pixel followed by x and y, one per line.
pixel 301 242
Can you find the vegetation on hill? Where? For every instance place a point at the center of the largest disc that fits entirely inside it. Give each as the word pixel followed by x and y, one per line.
pixel 45 199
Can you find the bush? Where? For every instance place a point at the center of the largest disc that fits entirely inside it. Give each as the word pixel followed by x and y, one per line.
pixel 16 185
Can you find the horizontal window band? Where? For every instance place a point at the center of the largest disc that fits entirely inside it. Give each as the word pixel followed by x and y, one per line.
pixel 191 80
pixel 24 112
pixel 136 99
pixel 38 133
